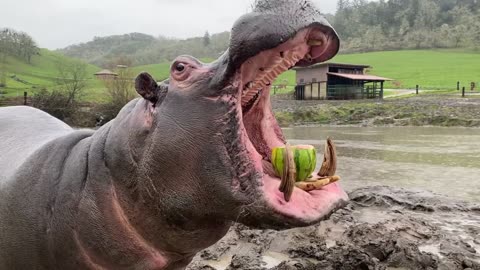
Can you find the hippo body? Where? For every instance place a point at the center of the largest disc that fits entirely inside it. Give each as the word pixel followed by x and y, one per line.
pixel 170 174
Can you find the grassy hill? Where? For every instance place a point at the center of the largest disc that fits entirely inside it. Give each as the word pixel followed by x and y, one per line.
pixel 435 69
pixel 41 73
pixel 431 69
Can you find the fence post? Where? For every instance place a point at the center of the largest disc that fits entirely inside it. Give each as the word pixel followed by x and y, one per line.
pixel 458 86
pixel 25 94
pixel 417 89
pixel 463 91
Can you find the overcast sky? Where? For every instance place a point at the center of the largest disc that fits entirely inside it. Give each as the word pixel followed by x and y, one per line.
pixel 59 23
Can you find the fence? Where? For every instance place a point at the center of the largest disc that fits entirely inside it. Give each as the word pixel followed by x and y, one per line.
pixel 17 101
pixel 320 91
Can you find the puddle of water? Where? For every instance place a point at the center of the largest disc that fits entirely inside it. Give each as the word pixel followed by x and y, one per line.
pixel 221 264
pixel 442 160
pixel 433 249
pixel 273 259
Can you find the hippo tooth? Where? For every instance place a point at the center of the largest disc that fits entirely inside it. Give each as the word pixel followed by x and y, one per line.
pixel 270 77
pixel 314 42
pixel 308 56
pixel 278 70
pixel 277 60
pixel 285 65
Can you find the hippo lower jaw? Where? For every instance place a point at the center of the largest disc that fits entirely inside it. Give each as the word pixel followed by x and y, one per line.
pixel 261 133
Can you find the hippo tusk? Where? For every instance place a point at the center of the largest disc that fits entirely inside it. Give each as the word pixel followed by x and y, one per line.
pixel 289 173
pixel 329 165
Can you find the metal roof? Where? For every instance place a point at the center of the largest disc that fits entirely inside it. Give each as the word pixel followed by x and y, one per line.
pixel 330 64
pixel 360 77
pixel 106 72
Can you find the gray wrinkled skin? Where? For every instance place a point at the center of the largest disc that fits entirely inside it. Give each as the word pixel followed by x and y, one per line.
pixel 154 186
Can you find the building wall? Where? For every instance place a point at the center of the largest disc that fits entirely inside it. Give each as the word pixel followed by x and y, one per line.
pixel 319 73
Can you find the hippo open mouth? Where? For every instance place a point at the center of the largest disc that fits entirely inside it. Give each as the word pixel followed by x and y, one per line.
pixel 261 132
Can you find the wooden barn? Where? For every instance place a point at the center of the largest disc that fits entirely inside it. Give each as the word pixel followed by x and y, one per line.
pixel 337 81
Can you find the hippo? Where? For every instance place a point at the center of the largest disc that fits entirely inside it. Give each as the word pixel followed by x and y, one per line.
pixel 175 169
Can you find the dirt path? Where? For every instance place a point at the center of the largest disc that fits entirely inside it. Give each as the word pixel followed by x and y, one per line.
pixel 399 93
pixel 382 228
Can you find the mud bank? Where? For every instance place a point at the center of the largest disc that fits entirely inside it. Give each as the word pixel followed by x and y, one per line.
pixel 382 228
pixel 424 110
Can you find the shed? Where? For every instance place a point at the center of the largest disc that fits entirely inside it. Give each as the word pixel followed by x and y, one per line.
pixel 106 75
pixel 337 81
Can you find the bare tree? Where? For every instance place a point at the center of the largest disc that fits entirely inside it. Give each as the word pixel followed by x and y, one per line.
pixel 72 79
pixel 121 89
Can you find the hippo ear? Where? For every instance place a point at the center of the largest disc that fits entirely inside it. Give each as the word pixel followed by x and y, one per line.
pixel 147 87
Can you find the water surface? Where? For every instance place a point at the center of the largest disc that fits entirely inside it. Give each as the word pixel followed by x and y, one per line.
pixel 442 160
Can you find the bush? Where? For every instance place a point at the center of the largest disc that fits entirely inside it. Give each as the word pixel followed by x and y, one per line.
pixel 57 103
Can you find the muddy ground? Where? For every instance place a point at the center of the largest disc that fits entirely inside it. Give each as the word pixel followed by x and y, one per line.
pixel 423 110
pixel 382 228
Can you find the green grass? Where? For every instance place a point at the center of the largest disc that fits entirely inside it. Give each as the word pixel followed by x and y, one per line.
pixel 431 69
pixel 42 73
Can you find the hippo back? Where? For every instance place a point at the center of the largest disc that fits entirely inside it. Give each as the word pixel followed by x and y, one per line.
pixel 23 130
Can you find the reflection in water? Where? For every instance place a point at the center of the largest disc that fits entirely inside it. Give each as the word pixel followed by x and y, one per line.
pixel 442 160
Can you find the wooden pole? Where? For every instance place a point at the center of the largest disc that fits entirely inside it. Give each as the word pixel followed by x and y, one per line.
pixel 25 94
pixel 417 89
pixel 463 91
pixel 458 86
pixel 381 90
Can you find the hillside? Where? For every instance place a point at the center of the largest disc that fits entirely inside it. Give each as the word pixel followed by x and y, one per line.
pixel 41 73
pixel 364 26
pixel 432 69
pixel 141 49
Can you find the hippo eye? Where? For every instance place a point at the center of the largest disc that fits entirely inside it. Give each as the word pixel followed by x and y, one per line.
pixel 180 67
pixel 181 70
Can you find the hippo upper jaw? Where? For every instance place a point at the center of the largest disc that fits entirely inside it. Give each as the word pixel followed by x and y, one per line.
pixel 260 133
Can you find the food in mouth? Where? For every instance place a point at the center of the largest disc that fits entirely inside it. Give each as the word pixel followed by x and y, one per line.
pixel 294 165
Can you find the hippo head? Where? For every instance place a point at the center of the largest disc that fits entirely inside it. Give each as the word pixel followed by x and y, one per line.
pixel 203 138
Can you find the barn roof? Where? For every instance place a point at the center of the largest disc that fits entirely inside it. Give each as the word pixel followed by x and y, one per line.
pixel 330 64
pixel 106 72
pixel 360 77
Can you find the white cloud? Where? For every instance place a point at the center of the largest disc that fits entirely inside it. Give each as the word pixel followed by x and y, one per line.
pixel 59 23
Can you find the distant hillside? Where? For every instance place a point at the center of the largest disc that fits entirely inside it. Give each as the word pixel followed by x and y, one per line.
pixel 141 49
pixel 40 73
pixel 363 26
pixel 432 69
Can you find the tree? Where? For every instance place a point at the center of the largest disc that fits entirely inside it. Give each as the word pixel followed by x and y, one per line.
pixel 17 44
pixel 3 76
pixel 120 90
pixel 206 39
pixel 72 79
